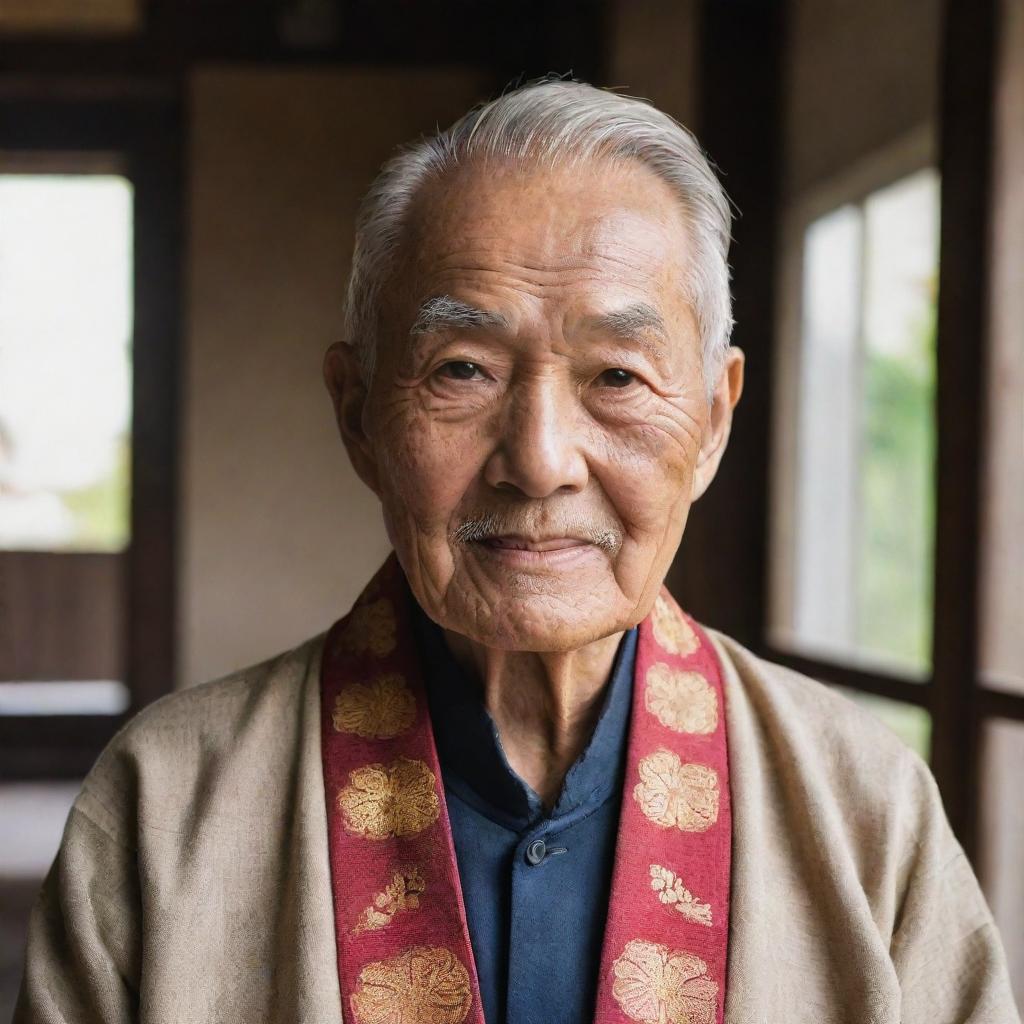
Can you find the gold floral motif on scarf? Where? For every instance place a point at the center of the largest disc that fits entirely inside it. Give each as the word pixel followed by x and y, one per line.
pixel 673 794
pixel 681 701
pixel 655 985
pixel 379 710
pixel 673 633
pixel 371 628
pixel 398 799
pixel 425 985
pixel 670 890
pixel 402 893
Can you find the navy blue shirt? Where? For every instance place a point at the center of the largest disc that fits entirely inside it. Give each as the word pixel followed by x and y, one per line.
pixel 535 883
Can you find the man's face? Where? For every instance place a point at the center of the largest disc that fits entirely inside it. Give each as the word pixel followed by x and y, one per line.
pixel 536 419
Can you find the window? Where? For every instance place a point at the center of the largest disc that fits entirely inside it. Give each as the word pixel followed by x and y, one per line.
pixel 65 439
pixel 65 362
pixel 866 429
pixel 963 692
pixel 854 552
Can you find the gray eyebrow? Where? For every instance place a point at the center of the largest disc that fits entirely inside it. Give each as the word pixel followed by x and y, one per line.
pixel 641 318
pixel 445 313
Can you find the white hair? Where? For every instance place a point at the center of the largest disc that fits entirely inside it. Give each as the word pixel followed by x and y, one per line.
pixel 547 123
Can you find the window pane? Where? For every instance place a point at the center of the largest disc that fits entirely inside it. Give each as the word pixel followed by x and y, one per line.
pixel 863 506
pixel 1002 538
pixel 827 444
pixel 897 501
pixel 65 361
pixel 1002 838
pixel 912 724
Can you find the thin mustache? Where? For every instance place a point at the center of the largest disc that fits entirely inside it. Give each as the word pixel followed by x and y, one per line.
pixel 494 524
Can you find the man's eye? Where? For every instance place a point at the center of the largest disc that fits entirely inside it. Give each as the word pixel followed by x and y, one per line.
pixel 616 378
pixel 460 370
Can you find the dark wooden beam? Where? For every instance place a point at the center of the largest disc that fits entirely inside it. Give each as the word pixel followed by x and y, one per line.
pixel 881 684
pixel 532 37
pixel 720 572
pixel 965 164
pixel 52 746
pixel 997 703
pixel 157 169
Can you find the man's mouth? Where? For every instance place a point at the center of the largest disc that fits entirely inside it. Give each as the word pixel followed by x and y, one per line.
pixel 574 537
pixel 512 542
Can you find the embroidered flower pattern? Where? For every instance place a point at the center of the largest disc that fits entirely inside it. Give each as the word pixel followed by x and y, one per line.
pixel 371 628
pixel 402 893
pixel 425 985
pixel 681 701
pixel 654 985
pixel 673 633
pixel 671 891
pixel 673 794
pixel 379 710
pixel 398 799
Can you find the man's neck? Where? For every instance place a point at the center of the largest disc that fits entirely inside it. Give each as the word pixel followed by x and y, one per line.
pixel 545 705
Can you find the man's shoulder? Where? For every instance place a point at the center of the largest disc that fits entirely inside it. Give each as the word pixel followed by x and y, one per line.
pixel 253 721
pixel 221 706
pixel 777 690
pixel 818 732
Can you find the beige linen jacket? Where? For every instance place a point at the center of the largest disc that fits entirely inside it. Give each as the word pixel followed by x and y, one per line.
pixel 193 885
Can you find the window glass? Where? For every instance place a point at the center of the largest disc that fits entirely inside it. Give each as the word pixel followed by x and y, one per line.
pixel 897 459
pixel 824 606
pixel 863 528
pixel 1002 538
pixel 65 361
pixel 1002 826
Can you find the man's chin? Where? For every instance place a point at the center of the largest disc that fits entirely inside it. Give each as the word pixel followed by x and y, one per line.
pixel 552 618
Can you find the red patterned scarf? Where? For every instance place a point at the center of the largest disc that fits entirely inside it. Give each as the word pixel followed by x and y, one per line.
pixel 404 953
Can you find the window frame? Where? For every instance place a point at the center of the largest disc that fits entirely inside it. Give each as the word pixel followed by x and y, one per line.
pixel 914 152
pixel 956 693
pixel 141 129
pixel 729 531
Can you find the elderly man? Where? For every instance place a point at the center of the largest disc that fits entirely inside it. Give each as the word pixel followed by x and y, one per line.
pixel 516 783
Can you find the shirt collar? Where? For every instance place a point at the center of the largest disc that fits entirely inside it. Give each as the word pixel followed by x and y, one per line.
pixel 469 746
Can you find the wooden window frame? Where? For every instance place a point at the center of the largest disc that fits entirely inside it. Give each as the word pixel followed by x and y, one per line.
pixel 125 93
pixel 142 126
pixel 728 538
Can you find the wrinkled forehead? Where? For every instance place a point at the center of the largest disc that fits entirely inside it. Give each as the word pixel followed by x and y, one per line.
pixel 562 235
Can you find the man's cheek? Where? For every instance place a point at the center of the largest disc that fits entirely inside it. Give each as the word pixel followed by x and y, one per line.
pixel 646 491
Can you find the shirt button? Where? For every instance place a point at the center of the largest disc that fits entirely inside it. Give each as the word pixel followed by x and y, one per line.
pixel 536 852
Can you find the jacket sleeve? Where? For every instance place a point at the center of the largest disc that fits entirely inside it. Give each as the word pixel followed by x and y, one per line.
pixel 945 946
pixel 82 960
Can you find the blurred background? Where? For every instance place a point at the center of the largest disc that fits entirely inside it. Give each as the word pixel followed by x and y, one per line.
pixel 178 180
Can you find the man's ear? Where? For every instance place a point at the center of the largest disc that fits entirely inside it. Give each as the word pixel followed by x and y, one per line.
pixel 727 393
pixel 344 379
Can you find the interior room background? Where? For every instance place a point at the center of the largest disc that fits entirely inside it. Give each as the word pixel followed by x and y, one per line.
pixel 178 180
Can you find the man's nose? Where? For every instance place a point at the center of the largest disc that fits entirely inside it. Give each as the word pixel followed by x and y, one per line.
pixel 540 448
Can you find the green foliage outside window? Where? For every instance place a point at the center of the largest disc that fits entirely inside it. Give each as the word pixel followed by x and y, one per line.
pixel 897 500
